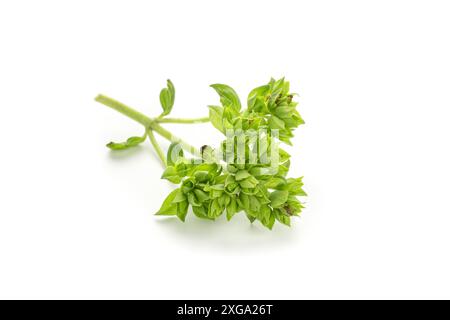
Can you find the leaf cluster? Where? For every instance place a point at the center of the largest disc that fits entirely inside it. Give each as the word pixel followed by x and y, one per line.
pixel 269 106
pixel 213 189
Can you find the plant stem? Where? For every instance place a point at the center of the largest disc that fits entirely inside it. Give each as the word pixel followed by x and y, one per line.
pixel 148 123
pixel 169 136
pixel 181 120
pixel 157 147
pixel 124 109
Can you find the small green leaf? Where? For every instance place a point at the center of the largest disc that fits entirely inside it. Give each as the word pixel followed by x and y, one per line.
pixel 167 98
pixel 265 213
pixel 174 153
pixel 242 174
pixel 278 198
pixel 249 183
pixel 215 209
pixel 180 197
pixel 256 93
pixel 232 209
pixel 294 186
pixel 117 145
pixel 187 186
pixel 294 206
pixel 269 222
pixel 215 117
pixel 244 201
pixel 284 168
pixel 224 200
pixel 275 182
pixel 228 97
pixel 171 174
pixel 182 210
pixel 284 112
pixel 217 187
pixel 201 212
pixel 201 195
pixel 231 168
pixel 284 156
pixel 201 176
pixel 131 142
pixel 134 141
pixel 183 168
pixel 250 217
pixel 283 218
pixel 258 172
pixel 276 123
pixel 263 194
pixel 193 200
pixel 255 205
pixel 169 208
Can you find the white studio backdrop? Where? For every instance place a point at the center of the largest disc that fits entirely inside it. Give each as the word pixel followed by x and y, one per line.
pixel 76 221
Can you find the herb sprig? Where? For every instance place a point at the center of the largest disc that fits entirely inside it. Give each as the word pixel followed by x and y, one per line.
pixel 225 181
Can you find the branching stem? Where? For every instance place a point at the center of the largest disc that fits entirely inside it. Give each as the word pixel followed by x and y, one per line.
pixel 152 124
pixel 157 147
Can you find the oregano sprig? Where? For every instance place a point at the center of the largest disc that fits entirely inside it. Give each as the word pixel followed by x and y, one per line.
pixel 236 176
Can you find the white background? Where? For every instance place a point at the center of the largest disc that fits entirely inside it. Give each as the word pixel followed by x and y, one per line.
pixel 76 221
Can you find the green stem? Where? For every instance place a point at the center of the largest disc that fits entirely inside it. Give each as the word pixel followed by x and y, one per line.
pixel 124 109
pixel 181 120
pixel 173 138
pixel 148 123
pixel 158 149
